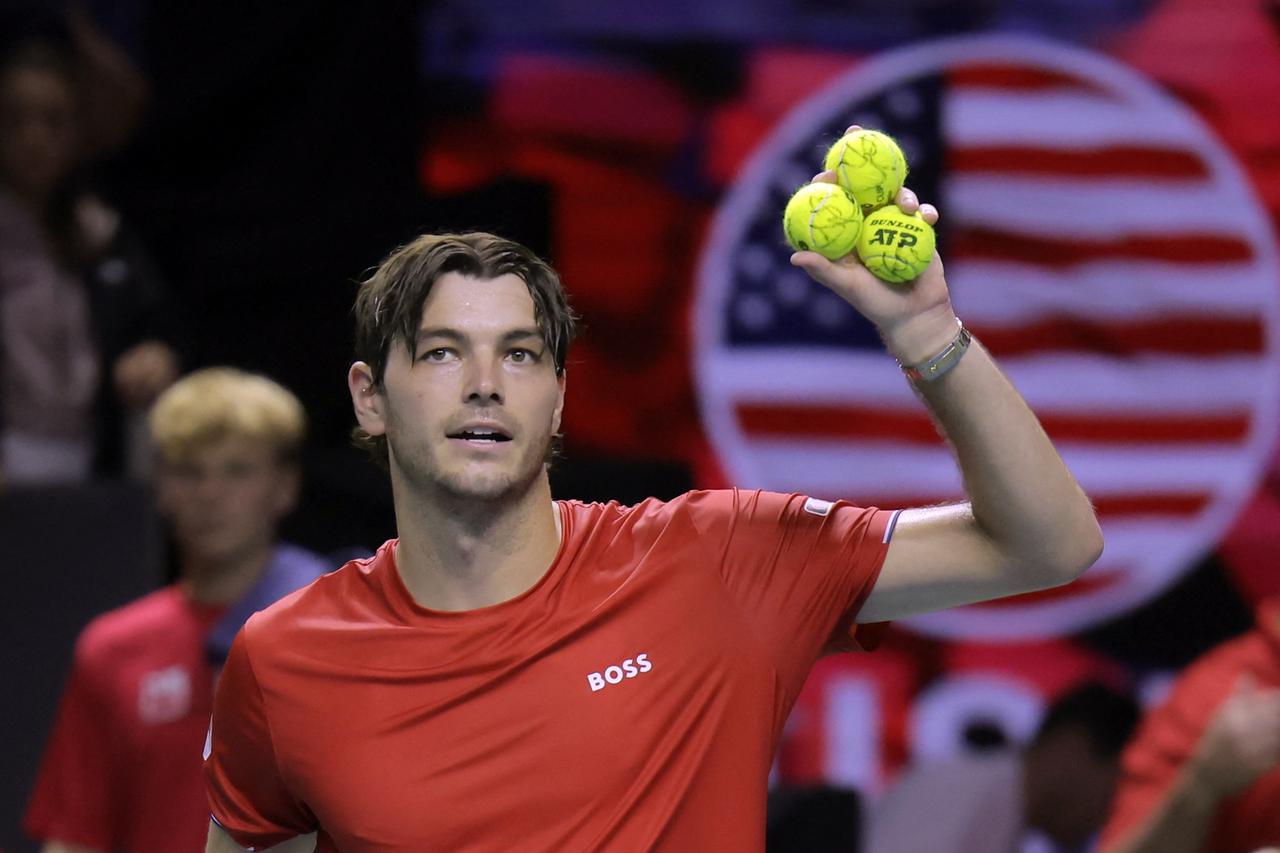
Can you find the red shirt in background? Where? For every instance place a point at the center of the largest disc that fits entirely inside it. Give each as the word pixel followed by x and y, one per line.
pixel 1169 735
pixel 121 770
pixel 630 700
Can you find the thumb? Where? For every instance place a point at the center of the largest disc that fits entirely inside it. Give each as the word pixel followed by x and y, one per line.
pixel 806 260
pixel 815 265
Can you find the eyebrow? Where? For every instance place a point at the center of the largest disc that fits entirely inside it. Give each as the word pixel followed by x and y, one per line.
pixel 458 337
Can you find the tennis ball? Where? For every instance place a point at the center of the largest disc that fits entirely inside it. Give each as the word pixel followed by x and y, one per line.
pixel 870 165
pixel 896 246
pixel 822 218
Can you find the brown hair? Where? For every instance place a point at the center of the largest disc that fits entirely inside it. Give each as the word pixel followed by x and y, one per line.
pixel 221 402
pixel 389 304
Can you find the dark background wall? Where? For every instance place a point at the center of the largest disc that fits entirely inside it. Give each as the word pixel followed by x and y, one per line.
pixel 69 554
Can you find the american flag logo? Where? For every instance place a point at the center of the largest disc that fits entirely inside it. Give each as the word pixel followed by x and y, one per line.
pixel 1099 241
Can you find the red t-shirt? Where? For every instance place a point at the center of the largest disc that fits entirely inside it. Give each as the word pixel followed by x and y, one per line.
pixel 122 767
pixel 631 700
pixel 1169 735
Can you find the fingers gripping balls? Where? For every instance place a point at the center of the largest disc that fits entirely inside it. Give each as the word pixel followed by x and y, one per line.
pixel 870 165
pixel 822 218
pixel 858 211
pixel 895 246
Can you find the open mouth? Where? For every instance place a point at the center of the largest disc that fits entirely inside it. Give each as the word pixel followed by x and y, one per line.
pixel 483 436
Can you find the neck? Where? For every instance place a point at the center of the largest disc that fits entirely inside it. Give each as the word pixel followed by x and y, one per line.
pixel 224 581
pixel 455 554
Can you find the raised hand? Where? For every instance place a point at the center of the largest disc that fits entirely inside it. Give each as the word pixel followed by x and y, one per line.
pixel 915 319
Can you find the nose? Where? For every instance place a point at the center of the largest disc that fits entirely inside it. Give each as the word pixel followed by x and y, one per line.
pixel 484 381
pixel 210 487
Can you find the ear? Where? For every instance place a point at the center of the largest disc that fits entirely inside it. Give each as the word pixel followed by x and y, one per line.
pixel 367 399
pixel 555 416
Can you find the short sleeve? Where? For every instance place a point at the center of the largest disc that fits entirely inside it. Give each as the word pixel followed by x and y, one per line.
pixel 72 800
pixel 1154 759
pixel 799 567
pixel 247 795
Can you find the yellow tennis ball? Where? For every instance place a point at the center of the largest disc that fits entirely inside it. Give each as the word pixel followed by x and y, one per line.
pixel 822 218
pixel 870 165
pixel 895 246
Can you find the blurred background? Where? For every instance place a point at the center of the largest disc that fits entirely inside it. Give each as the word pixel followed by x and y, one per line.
pixel 1109 178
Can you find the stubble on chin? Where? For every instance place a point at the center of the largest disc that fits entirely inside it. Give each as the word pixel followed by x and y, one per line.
pixel 426 474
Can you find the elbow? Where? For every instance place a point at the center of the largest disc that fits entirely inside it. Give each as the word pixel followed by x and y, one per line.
pixel 1076 551
pixel 1090 548
pixel 1061 555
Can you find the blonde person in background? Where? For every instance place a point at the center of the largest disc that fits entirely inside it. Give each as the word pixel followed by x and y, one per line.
pixel 121 770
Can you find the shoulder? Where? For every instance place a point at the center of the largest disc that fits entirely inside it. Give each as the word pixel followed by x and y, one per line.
pixel 330 599
pixel 651 517
pixel 118 634
pixel 718 510
pixel 716 513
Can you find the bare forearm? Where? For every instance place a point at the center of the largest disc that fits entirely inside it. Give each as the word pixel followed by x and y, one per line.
pixel 1021 493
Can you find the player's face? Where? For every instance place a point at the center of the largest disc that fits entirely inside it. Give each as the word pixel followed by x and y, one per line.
pixel 225 500
pixel 37 130
pixel 474 415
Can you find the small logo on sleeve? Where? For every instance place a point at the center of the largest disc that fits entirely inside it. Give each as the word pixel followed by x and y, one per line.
pixel 813 506
pixel 616 674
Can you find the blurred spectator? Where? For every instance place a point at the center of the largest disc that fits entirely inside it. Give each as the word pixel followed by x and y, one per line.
pixel 818 819
pixel 87 335
pixel 1203 774
pixel 1053 794
pixel 122 769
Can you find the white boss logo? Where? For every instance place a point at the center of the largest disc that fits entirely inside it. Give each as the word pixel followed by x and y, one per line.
pixel 630 668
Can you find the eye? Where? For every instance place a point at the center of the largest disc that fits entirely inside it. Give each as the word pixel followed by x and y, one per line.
pixel 523 356
pixel 438 354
